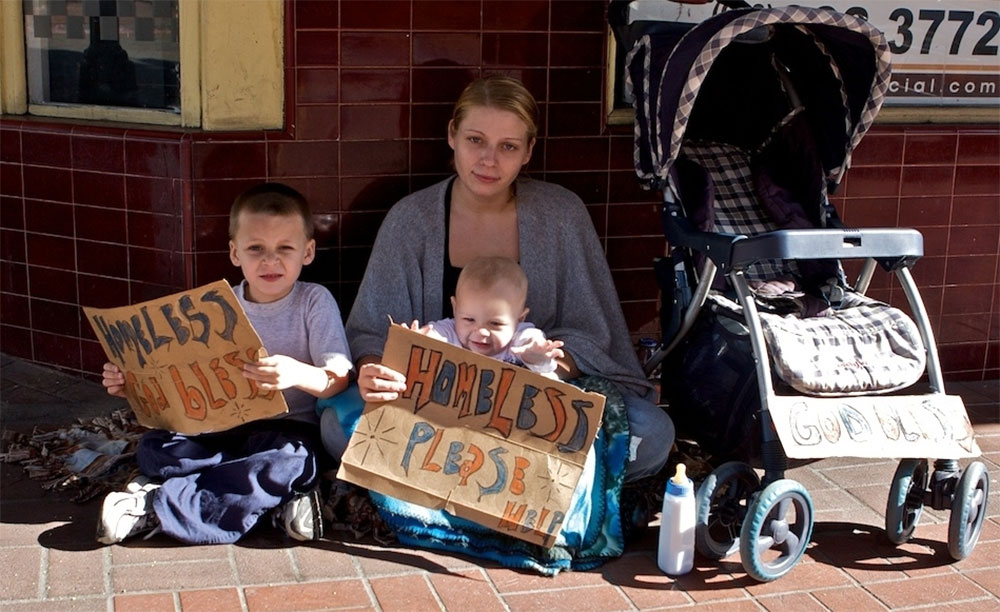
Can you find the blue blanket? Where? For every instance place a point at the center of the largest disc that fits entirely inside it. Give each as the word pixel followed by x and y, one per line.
pixel 591 533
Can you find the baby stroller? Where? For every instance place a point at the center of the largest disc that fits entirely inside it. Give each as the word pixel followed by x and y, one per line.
pixel 746 122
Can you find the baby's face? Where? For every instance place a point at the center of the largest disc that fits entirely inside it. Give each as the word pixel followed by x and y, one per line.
pixel 486 319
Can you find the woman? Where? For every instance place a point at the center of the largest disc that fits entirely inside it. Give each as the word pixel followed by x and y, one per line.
pixel 485 209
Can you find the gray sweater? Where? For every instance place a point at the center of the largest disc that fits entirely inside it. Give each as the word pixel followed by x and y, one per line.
pixel 570 292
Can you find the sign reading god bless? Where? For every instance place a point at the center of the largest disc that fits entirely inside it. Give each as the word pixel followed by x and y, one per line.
pixel 488 441
pixel 182 356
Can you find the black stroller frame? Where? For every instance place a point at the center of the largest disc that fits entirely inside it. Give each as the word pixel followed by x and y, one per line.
pixel 830 73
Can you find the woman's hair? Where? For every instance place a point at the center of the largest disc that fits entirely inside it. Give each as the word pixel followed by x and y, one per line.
pixel 273 199
pixel 502 93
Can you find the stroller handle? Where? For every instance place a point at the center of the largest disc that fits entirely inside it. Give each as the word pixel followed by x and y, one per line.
pixel 892 247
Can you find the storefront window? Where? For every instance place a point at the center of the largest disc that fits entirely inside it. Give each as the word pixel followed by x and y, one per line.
pixel 122 53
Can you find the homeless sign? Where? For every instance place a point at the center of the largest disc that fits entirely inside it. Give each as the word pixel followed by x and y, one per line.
pixel 182 356
pixel 485 440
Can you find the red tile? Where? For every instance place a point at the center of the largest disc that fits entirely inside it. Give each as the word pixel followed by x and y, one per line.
pixel 56 317
pixel 10 145
pixel 964 328
pixel 50 251
pixel 576 154
pixel 150 602
pixel 381 85
pixel 156 267
pixel 871 212
pixel 102 291
pixel 930 149
pixel 969 180
pixel 156 195
pixel 979 148
pixel 211 232
pixel 576 119
pixel 974 240
pixel 578 15
pixel 440 84
pixel 457 589
pixel 926 180
pixel 14 277
pixel 635 252
pixel 873 181
pixel 104 190
pixel 375 49
pixel 44 148
pixel 577 49
pixel 430 156
pixel 971 269
pixel 317 85
pixel 446 48
pixel 215 197
pixel 16 310
pixel 48 217
pixel 302 158
pixel 922 211
pixel 966 299
pixel 522 15
pixel 374 157
pixel 58 350
pixel 459 15
pixel 10 180
pixel 155 231
pixel 372 193
pixel 515 49
pixel 316 122
pixel 624 187
pixel 316 48
pixel 52 284
pixel 599 216
pixel 229 160
pixel 100 154
pixel 929 271
pixel 591 187
pixel 322 192
pixel 48 184
pixel 153 158
pixel 332 595
pixel 367 122
pixel 975 210
pixel 878 150
pixel 105 224
pixel 211 600
pixel 935 241
pixel 13 248
pixel 102 258
pixel 575 84
pixel 211 267
pixel 316 15
pixel 376 14
pixel 403 593
pixel 17 342
pixel 635 285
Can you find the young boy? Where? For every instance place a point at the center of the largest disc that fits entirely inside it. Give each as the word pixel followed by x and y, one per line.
pixel 490 312
pixel 213 488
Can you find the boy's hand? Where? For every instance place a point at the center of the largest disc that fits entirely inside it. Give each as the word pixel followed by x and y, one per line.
pixel 114 380
pixel 539 350
pixel 278 372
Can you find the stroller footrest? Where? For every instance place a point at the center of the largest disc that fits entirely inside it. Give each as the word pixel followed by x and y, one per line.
pixel 932 425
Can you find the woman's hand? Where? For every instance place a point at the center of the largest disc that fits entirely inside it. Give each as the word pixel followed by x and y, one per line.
pixel 379 383
pixel 113 380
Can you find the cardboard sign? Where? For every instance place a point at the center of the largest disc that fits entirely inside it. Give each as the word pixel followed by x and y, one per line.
pixel 887 426
pixel 485 440
pixel 182 356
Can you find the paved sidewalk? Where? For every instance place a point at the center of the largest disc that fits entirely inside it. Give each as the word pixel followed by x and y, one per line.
pixel 51 562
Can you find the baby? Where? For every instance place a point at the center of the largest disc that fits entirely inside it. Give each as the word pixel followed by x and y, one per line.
pixel 489 306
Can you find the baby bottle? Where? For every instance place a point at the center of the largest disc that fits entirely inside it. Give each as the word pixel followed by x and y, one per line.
pixel 675 555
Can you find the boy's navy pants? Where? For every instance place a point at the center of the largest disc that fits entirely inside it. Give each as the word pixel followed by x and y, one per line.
pixel 217 486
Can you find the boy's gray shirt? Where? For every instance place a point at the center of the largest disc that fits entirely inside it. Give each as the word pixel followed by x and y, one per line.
pixel 305 325
pixel 571 295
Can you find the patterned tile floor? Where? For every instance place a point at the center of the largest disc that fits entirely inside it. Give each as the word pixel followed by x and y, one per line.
pixel 51 562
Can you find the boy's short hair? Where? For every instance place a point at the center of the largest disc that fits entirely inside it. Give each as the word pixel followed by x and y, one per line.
pixel 273 199
pixel 487 272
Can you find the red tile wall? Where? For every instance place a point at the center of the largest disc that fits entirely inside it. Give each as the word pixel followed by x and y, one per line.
pixel 103 216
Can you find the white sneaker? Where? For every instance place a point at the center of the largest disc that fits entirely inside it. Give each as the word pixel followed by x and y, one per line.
pixel 127 513
pixel 301 517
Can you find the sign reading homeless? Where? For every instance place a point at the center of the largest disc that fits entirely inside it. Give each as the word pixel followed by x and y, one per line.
pixel 485 440
pixel 182 356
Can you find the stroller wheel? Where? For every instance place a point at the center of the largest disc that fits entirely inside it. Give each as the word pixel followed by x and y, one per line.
pixel 722 505
pixel 777 530
pixel 968 509
pixel 906 499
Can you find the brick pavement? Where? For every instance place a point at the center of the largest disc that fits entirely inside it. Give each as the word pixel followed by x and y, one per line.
pixel 52 564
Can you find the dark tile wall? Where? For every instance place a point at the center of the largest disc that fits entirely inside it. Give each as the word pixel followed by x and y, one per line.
pixel 103 216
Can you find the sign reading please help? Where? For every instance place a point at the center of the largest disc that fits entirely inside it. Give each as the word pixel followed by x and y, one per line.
pixel 485 440
pixel 182 356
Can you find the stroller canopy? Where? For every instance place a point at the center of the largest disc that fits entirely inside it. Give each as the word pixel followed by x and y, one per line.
pixel 735 76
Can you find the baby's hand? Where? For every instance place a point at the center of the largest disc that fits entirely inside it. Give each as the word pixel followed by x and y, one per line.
pixel 539 350
pixel 114 380
pixel 426 330
pixel 276 372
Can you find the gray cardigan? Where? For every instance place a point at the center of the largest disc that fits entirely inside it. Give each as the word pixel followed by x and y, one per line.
pixel 570 291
